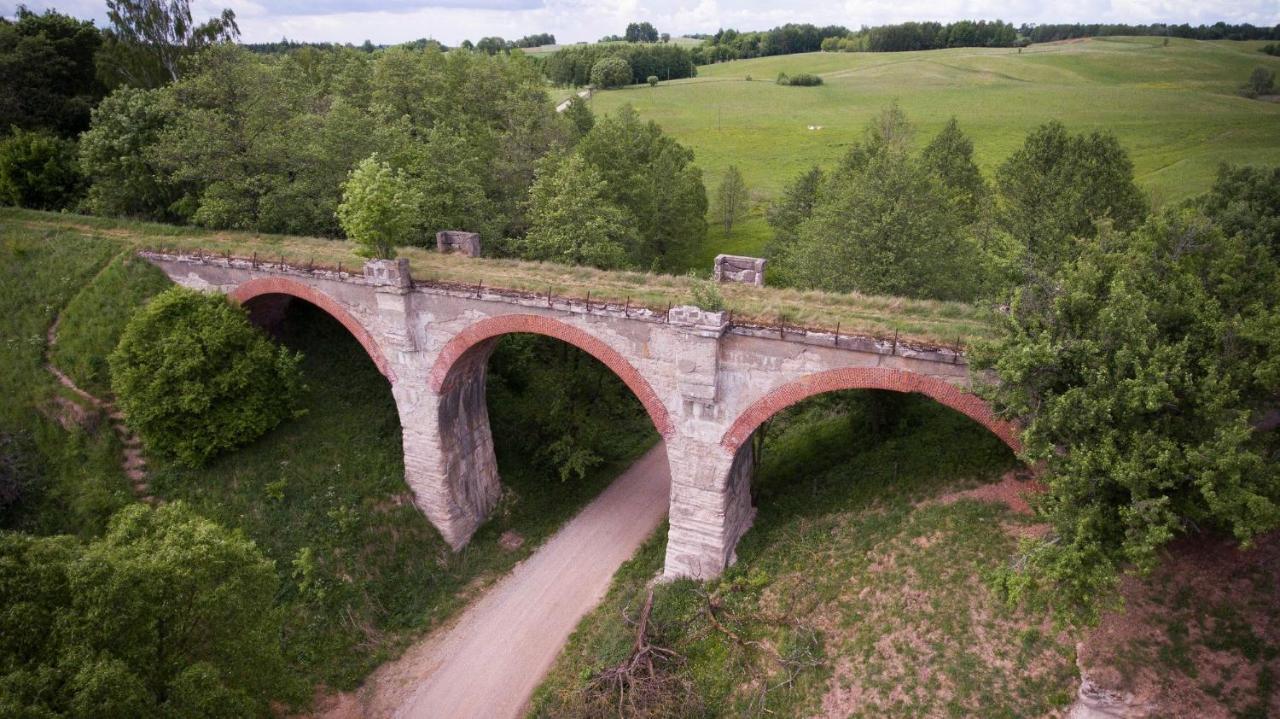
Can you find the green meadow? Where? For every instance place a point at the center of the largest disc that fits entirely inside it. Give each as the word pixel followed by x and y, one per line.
pixel 1174 108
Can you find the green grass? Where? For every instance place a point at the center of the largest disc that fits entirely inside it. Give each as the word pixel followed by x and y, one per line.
pixel 1174 108
pixel 854 578
pixel 927 321
pixel 92 322
pixel 77 482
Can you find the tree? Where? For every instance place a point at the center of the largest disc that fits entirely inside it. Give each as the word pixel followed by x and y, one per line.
pixel 1054 189
pixel 883 224
pixel 949 156
pixel 785 215
pixel 115 156
pixel 572 220
pixel 195 378
pixel 166 615
pixel 148 39
pixel 611 71
pixel 1135 372
pixel 580 117
pixel 39 170
pixel 379 208
pixel 491 45
pixel 732 199
pixel 48 79
pixel 641 32
pixel 653 177
pixel 1246 200
pixel 1261 82
pixel 446 173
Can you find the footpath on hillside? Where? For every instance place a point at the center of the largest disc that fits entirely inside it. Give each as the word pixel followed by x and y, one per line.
pixel 487 663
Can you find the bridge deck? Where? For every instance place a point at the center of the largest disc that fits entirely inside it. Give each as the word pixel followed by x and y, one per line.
pixel 810 315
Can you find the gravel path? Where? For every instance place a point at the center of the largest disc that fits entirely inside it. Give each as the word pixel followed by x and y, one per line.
pixel 488 662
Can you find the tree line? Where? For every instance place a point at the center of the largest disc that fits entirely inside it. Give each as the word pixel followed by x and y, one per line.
pixel 572 65
pixel 1217 31
pixel 925 36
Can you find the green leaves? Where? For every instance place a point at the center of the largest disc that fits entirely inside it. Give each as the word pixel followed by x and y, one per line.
pixel 572 219
pixel 378 208
pixel 195 378
pixel 1136 386
pixel 168 614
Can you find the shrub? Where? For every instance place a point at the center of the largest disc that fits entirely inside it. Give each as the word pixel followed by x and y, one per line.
pixel 195 378
pixel 1261 82
pixel 652 80
pixel 1271 48
pixel 805 79
pixel 706 293
pixel 611 71
pixel 748 78
pixel 379 208
pixel 783 79
pixel 39 170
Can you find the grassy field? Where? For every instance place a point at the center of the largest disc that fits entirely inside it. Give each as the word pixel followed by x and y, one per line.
pixel 1174 108
pixel 946 323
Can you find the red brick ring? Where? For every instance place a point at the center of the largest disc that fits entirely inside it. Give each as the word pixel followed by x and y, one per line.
pixel 954 397
pixel 285 286
pixel 535 324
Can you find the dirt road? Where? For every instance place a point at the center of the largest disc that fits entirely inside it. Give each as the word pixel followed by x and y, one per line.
pixel 488 663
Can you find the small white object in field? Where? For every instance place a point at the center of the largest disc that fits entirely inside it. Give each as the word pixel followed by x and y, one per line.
pixel 815 127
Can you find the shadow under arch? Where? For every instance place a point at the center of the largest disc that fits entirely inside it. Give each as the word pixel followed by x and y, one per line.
pixel 262 287
pixel 474 341
pixel 882 378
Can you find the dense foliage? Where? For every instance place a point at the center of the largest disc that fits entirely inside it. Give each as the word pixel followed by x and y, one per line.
pixel 611 71
pixel 654 178
pixel 1137 370
pixel 48 76
pixel 39 170
pixel 886 220
pixel 266 142
pixel 572 65
pixel 149 39
pixel 195 378
pixel 925 36
pixel 784 40
pixel 1217 31
pixel 377 208
pixel 166 615
pixel 640 32
pixel 573 221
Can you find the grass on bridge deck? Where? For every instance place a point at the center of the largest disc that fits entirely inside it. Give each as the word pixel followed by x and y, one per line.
pixel 950 324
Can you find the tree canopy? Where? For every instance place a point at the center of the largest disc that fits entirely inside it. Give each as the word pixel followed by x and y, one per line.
pixel 1137 370
pixel 148 39
pixel 166 615
pixel 48 76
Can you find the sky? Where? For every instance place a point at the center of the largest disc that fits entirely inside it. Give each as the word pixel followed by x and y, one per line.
pixel 451 21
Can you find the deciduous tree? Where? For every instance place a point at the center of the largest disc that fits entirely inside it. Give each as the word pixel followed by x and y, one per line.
pixel 732 198
pixel 572 219
pixel 148 39
pixel 379 208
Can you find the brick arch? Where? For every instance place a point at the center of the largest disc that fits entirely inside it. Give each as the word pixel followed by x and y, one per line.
pixel 954 397
pixel 493 327
pixel 285 286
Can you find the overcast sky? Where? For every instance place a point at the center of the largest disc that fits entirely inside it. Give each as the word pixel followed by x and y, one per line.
pixel 451 21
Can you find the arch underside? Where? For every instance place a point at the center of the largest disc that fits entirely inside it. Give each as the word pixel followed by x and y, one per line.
pixel 458 353
pixel 264 286
pixel 944 393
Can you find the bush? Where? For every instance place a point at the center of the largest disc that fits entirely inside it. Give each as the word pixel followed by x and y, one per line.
pixel 610 72
pixel 748 78
pixel 1261 82
pixel 805 79
pixel 652 80
pixel 1271 48
pixel 195 378
pixel 706 293
pixel 783 79
pixel 39 170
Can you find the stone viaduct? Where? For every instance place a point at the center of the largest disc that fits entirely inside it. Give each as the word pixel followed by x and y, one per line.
pixel 707 385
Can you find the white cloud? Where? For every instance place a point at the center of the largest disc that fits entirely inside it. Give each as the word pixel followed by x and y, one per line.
pixel 451 21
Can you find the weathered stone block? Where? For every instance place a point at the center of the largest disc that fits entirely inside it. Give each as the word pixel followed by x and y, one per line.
pixel 736 268
pixel 466 243
pixel 390 273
